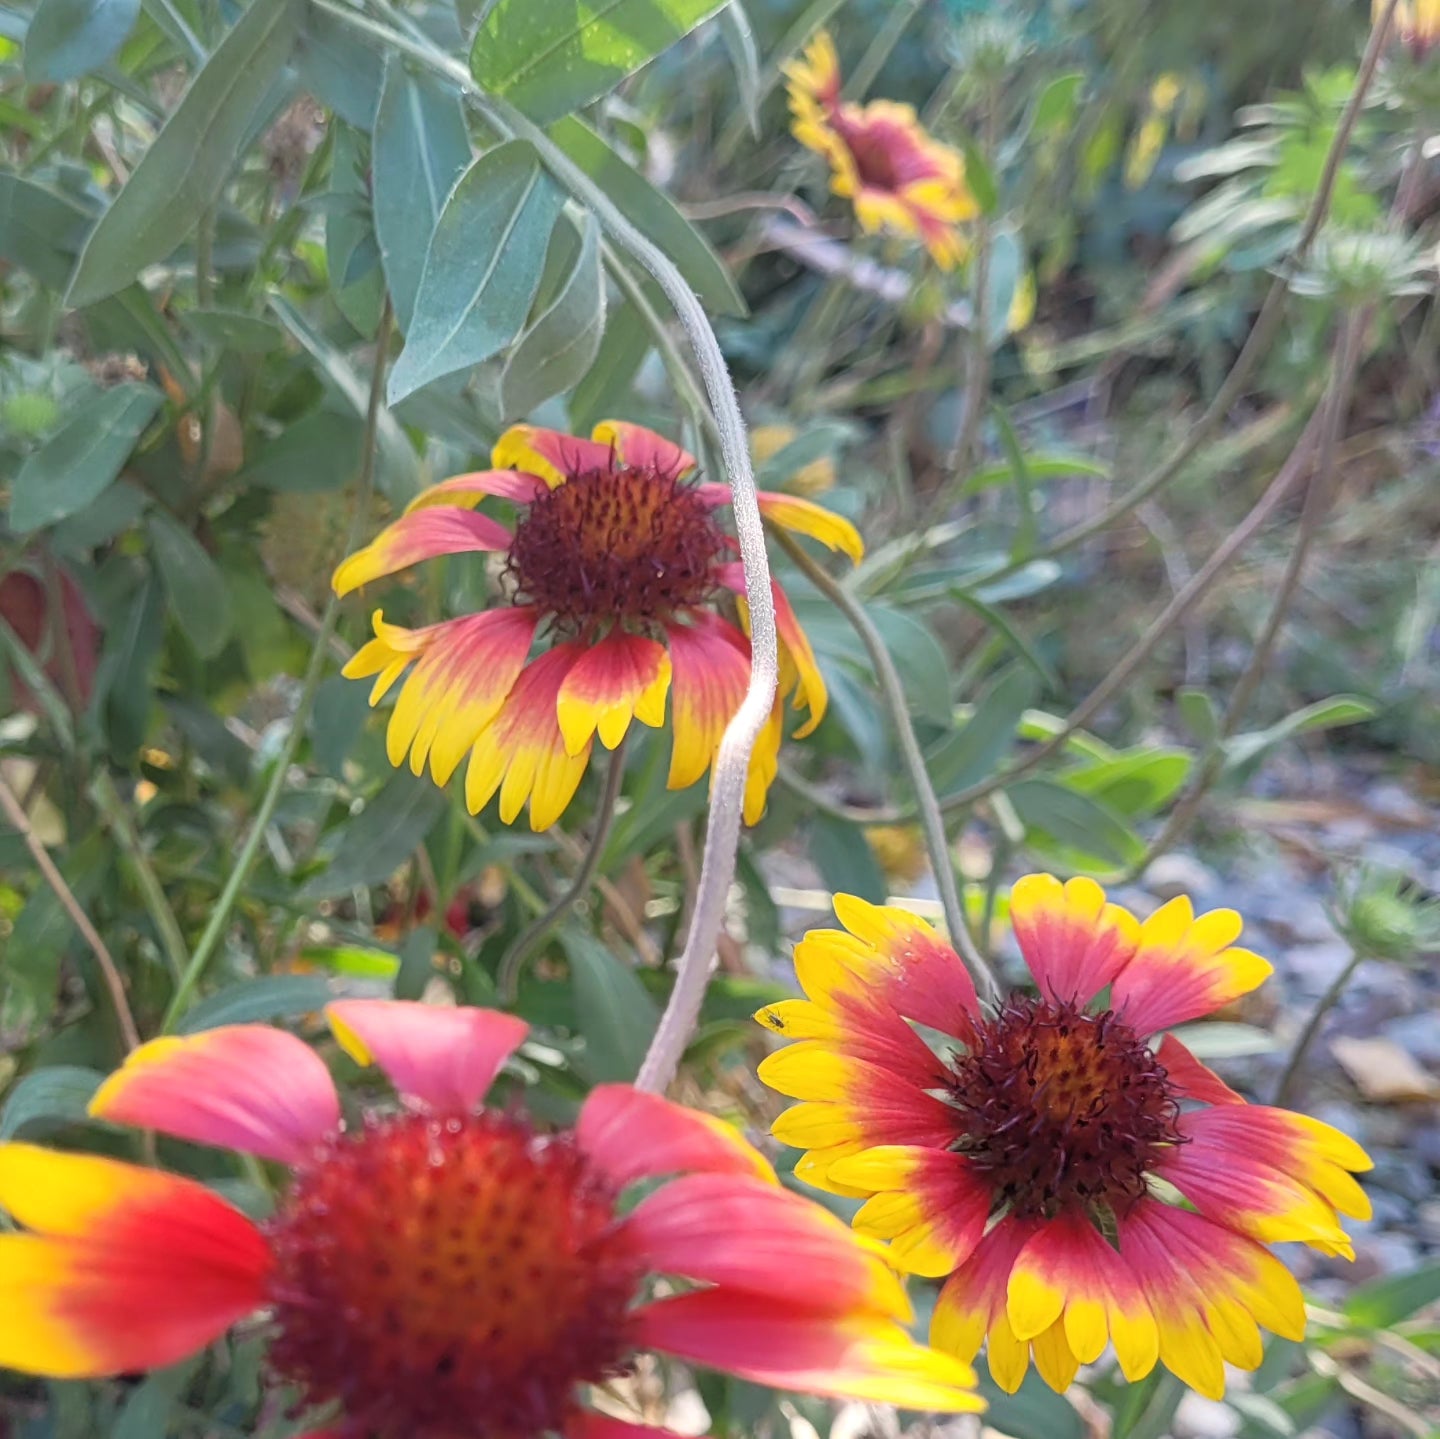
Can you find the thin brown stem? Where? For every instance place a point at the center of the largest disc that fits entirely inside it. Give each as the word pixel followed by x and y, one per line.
pixel 1306 1037
pixel 20 821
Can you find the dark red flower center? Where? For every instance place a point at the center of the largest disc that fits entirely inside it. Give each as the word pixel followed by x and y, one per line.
pixel 449 1277
pixel 1062 1109
pixel 885 153
pixel 617 544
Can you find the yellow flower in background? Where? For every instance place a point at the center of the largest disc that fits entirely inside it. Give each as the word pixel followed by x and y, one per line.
pixel 1417 23
pixel 766 441
pixel 617 564
pixel 899 177
pixel 1076 1178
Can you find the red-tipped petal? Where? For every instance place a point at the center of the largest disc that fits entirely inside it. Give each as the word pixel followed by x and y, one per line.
pixel 621 678
pixel 791 1346
pixel 466 491
pixel 444 1058
pixel 1188 1077
pixel 1184 967
pixel 522 752
pixel 1074 942
pixel 422 535
pixel 746 1234
pixel 798 668
pixel 640 449
pixel 124 1269
pixel 629 1135
pixel 549 454
pixel 246 1087
pixel 710 662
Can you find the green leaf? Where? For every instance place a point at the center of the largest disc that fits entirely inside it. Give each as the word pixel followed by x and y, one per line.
pixel 1199 715
pixel 339 68
pixel 559 348
pixel 48 1099
pixel 69 38
pixel 616 1013
pixel 1383 1302
pixel 1322 715
pixel 1224 1039
pixel 1056 104
pixel 976 750
pixel 1073 828
pixel 739 37
pixel 1137 782
pixel 41 230
pixel 352 252
pixel 193 582
pixel 845 860
pixel 81 459
pixel 352 959
pixel 128 665
pixel 183 172
pixel 1041 467
pixel 605 386
pixel 235 331
pixel 551 58
pixel 320 452
pixel 482 269
pixel 980 178
pixel 339 714
pixel 920 660
pixel 651 211
pixel 254 1001
pixel 420 150
pixel 372 846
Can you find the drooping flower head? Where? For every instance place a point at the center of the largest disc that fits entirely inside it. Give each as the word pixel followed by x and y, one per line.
pixel 1416 24
pixel 615 567
pixel 1077 1182
pixel 437 1269
pixel 897 175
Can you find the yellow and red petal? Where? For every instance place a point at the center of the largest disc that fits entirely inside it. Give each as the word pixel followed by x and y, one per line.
pixel 621 678
pixel 1072 940
pixel 972 1302
pixel 637 448
pixel 522 753
pixel 587 1424
pixel 629 1134
pixel 798 669
pixel 1183 967
pixel 746 1235
pixel 817 74
pixel 1067 1273
pixel 920 975
pixel 931 1204
pixel 125 1269
pixel 792 1346
pixel 420 535
pixel 710 662
pixel 550 455
pixel 467 491
pixel 442 1057
pixel 464 672
pixel 1189 1078
pixel 246 1087
pixel 805 517
pixel 1207 1287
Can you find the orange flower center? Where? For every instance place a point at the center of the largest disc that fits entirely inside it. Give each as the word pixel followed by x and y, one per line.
pixel 616 544
pixel 442 1278
pixel 1062 1109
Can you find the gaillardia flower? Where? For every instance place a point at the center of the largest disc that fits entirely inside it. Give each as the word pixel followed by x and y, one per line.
pixel 1075 1181
pixel 1416 24
pixel 898 176
pixel 441 1270
pixel 615 565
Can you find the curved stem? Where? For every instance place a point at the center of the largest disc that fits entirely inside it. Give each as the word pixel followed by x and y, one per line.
pixel 220 916
pixel 1306 1037
pixel 508 977
pixel 931 820
pixel 20 822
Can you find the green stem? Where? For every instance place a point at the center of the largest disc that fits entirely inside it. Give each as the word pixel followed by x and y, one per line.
pixel 220 916
pixel 508 976
pixel 931 819
pixel 115 813
pixel 1306 1037
pixel 889 35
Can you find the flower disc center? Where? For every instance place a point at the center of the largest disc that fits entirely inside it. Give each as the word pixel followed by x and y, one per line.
pixel 1062 1109
pixel 616 544
pixel 446 1277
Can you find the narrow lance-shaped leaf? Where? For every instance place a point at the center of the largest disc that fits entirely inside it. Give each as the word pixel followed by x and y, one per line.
pixel 69 38
pixel 482 269
pixel 551 58
pixel 184 171
pixel 558 349
pixel 420 150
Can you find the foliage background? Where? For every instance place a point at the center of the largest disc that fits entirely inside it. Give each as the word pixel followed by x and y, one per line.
pixel 203 208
